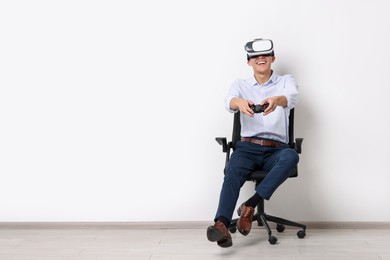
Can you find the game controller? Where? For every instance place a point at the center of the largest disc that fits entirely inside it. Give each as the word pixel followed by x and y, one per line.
pixel 259 108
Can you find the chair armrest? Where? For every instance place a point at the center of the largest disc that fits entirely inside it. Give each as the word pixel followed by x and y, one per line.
pixel 298 144
pixel 222 141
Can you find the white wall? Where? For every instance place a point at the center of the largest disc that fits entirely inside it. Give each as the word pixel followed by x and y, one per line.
pixel 109 109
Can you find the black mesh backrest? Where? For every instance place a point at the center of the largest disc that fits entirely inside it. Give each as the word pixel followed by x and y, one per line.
pixel 291 128
pixel 236 136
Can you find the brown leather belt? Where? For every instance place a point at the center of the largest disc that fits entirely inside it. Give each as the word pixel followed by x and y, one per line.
pixel 262 142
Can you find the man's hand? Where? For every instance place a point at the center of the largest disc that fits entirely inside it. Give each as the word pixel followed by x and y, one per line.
pixel 242 105
pixel 273 102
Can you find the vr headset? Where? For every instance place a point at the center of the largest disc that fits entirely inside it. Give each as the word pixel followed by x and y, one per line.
pixel 259 47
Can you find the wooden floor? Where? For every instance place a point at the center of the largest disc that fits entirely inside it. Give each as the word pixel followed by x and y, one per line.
pixel 188 244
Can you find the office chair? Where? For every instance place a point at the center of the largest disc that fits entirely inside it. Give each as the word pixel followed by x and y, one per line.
pixel 257 176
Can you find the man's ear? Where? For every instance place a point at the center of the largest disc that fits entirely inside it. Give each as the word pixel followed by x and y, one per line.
pixel 273 59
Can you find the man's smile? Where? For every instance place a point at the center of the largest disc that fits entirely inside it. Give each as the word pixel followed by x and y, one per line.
pixel 260 62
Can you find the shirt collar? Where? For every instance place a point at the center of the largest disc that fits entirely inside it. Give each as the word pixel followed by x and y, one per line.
pixel 271 80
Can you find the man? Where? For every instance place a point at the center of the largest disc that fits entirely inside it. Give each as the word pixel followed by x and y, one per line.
pixel 264 142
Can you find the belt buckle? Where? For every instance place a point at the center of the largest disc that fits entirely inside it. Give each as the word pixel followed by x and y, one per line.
pixel 261 142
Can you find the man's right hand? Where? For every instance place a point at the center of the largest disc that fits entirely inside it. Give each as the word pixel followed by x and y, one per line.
pixel 242 105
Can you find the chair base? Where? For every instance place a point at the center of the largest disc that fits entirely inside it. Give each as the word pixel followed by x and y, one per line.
pixel 262 220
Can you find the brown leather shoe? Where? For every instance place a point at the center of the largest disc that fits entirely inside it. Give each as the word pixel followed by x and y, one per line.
pixel 218 232
pixel 244 223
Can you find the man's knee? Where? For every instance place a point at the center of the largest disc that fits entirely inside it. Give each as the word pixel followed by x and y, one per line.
pixel 290 156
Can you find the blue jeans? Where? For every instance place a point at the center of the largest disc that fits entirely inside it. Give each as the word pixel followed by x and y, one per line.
pixel 247 157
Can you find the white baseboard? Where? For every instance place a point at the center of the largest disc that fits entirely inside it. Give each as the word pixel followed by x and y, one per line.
pixel 181 225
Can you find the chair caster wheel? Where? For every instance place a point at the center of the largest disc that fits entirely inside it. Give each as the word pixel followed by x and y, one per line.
pixel 280 228
pixel 301 233
pixel 272 240
pixel 233 230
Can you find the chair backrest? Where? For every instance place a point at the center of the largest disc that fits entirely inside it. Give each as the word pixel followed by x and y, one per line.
pixel 236 136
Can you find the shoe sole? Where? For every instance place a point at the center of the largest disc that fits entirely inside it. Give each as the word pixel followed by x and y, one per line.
pixel 214 235
pixel 225 243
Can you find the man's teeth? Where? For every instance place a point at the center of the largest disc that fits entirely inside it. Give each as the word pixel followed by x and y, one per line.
pixel 260 62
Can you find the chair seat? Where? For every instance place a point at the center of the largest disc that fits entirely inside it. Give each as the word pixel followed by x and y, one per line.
pixel 260 175
pixel 257 175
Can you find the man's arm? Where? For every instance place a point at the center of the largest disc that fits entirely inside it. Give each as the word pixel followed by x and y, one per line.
pixel 274 102
pixel 242 105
